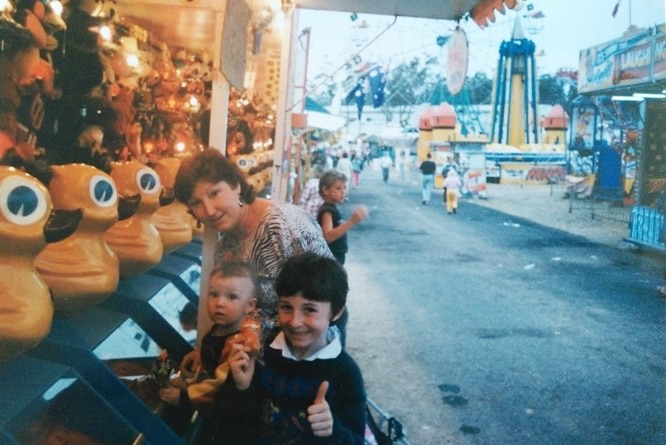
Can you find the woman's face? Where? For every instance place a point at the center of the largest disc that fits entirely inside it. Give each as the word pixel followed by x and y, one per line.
pixel 216 205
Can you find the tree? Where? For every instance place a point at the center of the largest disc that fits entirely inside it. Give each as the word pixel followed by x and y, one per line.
pixel 557 90
pixel 325 93
pixel 408 85
pixel 479 89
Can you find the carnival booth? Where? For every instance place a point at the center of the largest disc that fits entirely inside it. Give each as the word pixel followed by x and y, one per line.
pixel 96 267
pixel 618 134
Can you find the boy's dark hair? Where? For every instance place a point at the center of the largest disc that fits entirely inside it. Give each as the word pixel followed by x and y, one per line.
pixel 239 269
pixel 212 166
pixel 316 278
pixel 329 178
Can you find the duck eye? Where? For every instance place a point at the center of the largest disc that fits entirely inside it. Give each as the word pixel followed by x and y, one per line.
pixel 102 191
pixel 22 202
pixel 147 180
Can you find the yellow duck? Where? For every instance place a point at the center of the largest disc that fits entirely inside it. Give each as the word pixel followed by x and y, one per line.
pixel 136 241
pixel 82 270
pixel 27 223
pixel 171 219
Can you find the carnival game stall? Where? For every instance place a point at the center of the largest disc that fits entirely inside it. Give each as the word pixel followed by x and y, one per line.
pixel 96 112
pixel 618 136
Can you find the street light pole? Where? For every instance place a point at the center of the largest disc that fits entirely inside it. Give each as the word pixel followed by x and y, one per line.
pixel 304 92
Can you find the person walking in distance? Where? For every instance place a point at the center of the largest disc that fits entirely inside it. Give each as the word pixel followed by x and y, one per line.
pixel 345 167
pixel 452 184
pixel 357 166
pixel 386 163
pixel 450 164
pixel 427 168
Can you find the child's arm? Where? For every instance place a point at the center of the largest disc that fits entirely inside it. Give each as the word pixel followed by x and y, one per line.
pixel 332 233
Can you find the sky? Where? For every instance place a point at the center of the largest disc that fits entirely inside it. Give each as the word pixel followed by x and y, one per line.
pixel 567 27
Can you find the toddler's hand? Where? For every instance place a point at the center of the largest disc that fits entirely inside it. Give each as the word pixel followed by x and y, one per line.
pixel 360 213
pixel 170 396
pixel 242 366
pixel 191 362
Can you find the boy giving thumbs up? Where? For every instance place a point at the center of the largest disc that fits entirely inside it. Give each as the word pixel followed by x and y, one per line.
pixel 309 389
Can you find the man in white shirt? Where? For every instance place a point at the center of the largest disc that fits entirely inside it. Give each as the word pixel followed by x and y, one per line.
pixel 386 163
pixel 345 167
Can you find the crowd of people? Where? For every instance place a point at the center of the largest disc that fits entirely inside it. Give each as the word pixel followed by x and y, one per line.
pixel 281 262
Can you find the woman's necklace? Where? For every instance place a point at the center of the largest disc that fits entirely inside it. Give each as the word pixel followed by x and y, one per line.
pixel 237 243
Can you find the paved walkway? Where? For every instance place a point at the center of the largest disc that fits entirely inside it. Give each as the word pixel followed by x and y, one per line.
pixel 548 205
pixel 386 356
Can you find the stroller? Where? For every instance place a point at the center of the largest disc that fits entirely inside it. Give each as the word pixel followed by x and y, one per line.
pixel 384 429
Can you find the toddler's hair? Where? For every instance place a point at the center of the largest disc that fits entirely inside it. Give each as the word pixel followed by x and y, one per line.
pixel 329 178
pixel 239 269
pixel 316 278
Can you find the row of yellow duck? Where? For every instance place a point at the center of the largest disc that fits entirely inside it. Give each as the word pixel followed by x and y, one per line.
pixel 256 167
pixel 113 230
pixel 27 224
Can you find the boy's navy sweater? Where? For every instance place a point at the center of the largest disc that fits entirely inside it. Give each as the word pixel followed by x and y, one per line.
pixel 288 387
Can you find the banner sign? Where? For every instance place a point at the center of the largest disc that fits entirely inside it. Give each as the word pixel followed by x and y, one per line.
pixel 637 59
pixel 234 42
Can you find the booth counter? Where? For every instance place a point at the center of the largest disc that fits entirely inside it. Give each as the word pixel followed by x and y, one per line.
pixel 90 381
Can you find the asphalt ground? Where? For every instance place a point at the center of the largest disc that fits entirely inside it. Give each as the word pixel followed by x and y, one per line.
pixel 445 313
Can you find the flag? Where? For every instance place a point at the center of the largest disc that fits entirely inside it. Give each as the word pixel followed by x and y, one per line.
pixel 357 94
pixel 615 9
pixel 377 83
pixel 463 129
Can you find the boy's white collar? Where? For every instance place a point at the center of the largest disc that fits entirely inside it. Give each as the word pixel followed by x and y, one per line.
pixel 331 350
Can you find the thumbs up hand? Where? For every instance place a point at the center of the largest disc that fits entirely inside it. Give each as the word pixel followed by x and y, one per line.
pixel 319 413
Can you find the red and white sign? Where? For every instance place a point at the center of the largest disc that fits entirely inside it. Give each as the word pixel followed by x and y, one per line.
pixel 456 61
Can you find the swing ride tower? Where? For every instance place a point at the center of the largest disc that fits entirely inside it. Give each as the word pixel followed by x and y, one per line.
pixel 515 100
